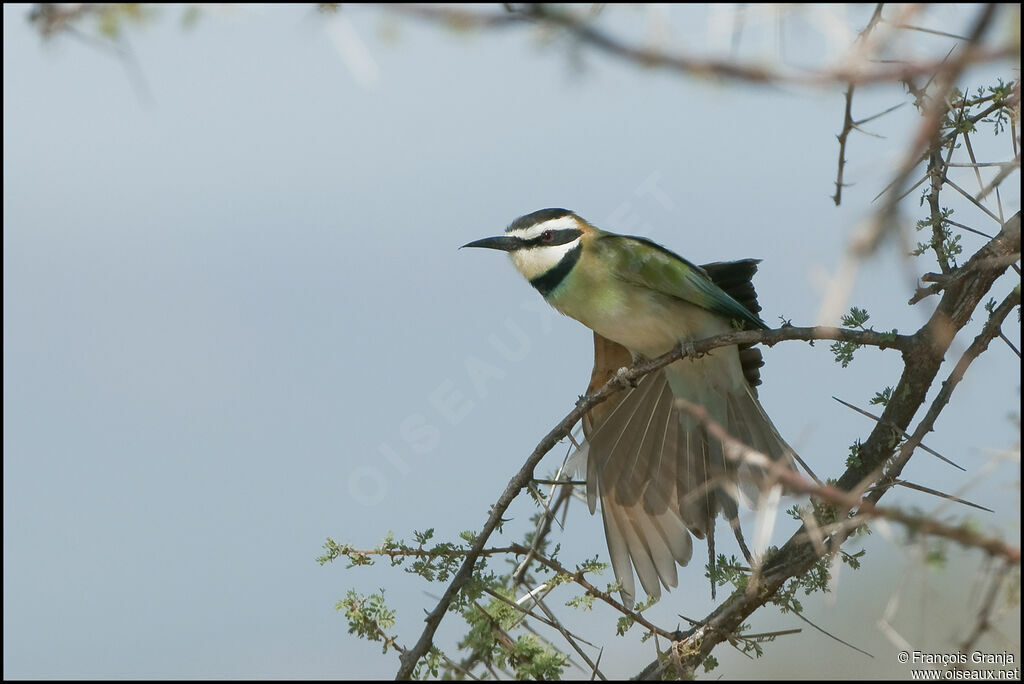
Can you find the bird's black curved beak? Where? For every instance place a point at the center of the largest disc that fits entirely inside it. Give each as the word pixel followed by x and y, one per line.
pixel 504 243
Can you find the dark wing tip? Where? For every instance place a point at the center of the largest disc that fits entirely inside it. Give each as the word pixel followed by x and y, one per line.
pixel 735 278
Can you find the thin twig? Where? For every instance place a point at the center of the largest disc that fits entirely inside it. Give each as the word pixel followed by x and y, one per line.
pixel 848 123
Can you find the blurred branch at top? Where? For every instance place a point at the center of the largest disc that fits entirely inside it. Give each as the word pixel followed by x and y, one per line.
pixel 874 59
pixel 644 36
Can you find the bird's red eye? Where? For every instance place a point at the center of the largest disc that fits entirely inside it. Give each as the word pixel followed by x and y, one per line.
pixel 547 236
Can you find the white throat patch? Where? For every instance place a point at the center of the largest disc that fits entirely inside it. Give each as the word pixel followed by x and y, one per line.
pixel 537 261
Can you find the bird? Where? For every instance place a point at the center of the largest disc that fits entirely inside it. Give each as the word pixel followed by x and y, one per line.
pixel 659 475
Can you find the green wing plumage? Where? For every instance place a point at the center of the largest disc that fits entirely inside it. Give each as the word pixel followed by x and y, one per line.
pixel 648 264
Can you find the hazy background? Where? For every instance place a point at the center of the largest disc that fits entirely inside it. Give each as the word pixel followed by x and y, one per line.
pixel 232 288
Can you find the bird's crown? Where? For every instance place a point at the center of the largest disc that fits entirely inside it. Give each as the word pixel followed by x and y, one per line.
pixel 536 218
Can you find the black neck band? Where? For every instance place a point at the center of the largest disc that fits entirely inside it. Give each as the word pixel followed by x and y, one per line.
pixel 546 283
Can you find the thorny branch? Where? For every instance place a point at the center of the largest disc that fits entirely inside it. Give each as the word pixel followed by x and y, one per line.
pixel 564 427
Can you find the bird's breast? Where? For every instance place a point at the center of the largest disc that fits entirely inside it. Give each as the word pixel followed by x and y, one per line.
pixel 644 321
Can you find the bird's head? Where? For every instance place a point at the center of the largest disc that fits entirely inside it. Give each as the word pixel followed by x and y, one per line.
pixel 540 242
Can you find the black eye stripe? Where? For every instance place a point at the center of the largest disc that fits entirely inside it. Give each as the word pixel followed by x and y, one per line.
pixel 557 237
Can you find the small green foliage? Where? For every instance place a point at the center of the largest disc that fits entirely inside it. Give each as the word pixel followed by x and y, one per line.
pixel 387 544
pixel 430 665
pixel 534 660
pixel 710 663
pixel 944 241
pixel 560 578
pixel 814 580
pixel 438 563
pixel 818 577
pixel 641 607
pixel 552 554
pixel 489 641
pixel 853 460
pixel 626 621
pixel 785 598
pixel 592 565
pixel 957 123
pixel 336 550
pixel 727 571
pixel 843 352
pixel 484 625
pixel 1000 94
pixel 852 559
pixel 951 247
pixel 368 617
pixel 333 550
pixel 584 601
pixel 538 498
pixel 882 398
pixel 751 646
pixel 856 318
pixel 795 512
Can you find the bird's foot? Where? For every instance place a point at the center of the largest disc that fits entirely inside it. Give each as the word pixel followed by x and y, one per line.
pixel 622 375
pixel 688 351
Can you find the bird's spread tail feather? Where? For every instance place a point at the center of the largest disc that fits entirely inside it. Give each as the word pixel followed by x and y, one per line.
pixel 660 476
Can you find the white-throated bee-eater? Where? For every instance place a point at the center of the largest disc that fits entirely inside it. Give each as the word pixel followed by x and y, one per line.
pixel 658 473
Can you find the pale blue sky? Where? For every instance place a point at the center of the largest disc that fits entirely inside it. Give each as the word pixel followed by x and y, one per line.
pixel 228 311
